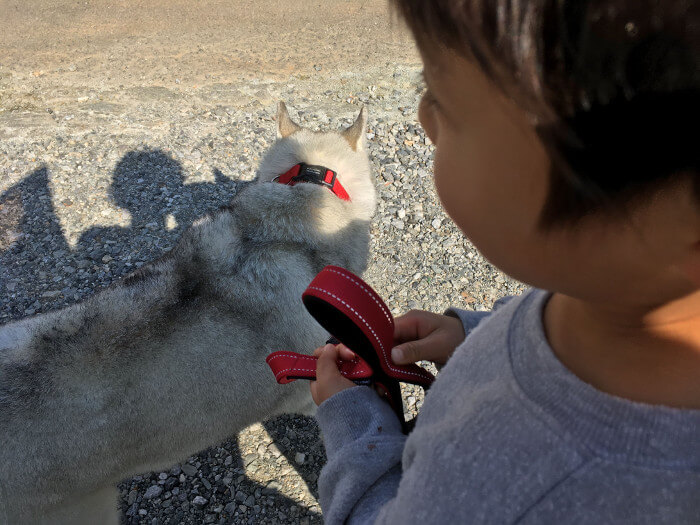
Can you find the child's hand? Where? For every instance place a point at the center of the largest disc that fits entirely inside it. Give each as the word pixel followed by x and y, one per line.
pixel 328 379
pixel 425 336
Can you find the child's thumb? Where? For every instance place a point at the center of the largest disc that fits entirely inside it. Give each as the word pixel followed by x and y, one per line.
pixel 407 353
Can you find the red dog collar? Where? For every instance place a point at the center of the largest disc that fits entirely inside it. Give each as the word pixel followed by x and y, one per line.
pixel 315 175
pixel 353 313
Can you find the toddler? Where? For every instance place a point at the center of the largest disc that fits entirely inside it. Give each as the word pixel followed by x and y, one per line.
pixel 565 152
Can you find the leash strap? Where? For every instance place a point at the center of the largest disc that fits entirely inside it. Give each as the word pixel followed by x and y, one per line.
pixel 355 315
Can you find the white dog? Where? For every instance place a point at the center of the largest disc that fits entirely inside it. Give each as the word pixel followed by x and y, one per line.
pixel 171 359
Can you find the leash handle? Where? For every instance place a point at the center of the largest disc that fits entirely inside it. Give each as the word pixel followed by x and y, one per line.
pixel 350 310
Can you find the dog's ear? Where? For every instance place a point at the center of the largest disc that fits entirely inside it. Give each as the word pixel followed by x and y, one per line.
pixel 285 125
pixel 355 134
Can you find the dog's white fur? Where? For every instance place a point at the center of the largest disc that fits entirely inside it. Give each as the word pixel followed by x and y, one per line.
pixel 171 359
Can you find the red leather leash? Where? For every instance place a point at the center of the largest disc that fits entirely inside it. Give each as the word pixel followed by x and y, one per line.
pixel 352 312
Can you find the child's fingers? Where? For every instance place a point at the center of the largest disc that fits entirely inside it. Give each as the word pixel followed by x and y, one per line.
pixel 329 380
pixel 407 326
pixel 320 349
pixel 327 366
pixel 344 353
pixel 413 352
pixel 436 347
pixel 425 336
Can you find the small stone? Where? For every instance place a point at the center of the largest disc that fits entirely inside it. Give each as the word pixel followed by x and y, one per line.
pixel 107 258
pixel 300 457
pixel 271 488
pixel 230 508
pixel 199 501
pixel 189 470
pixel 169 483
pixel 153 491
pixel 228 460
pixel 250 501
pixel 436 223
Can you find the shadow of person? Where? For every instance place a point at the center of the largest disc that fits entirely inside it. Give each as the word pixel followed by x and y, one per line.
pixel 149 185
pixel 39 271
pixel 33 249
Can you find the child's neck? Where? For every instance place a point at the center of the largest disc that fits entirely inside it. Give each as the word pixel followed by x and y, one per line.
pixel 648 356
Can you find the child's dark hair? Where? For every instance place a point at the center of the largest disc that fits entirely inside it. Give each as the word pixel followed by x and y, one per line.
pixel 616 85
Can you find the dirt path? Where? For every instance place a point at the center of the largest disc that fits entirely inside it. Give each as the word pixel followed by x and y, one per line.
pixel 56 50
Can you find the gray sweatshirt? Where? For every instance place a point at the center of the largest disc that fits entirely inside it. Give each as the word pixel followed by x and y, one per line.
pixel 508 435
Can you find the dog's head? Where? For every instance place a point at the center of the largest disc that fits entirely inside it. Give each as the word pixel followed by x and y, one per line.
pixel 344 152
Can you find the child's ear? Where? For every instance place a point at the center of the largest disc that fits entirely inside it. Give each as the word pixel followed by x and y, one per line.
pixel 285 125
pixel 355 134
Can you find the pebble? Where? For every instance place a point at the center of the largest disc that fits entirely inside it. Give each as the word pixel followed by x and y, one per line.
pixel 189 470
pixel 153 491
pixel 199 501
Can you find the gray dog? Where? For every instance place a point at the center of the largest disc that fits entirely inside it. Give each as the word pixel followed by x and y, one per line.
pixel 171 359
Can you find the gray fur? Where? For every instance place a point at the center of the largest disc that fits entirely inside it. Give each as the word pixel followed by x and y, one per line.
pixel 171 359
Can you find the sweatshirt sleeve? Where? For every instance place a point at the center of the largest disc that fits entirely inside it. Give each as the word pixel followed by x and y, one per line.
pixel 364 445
pixel 470 319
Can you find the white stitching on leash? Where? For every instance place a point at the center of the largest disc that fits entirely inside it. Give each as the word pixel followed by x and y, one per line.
pixel 381 306
pixel 388 362
pixel 285 370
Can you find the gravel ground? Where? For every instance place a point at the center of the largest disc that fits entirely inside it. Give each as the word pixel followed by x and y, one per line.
pixel 105 180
